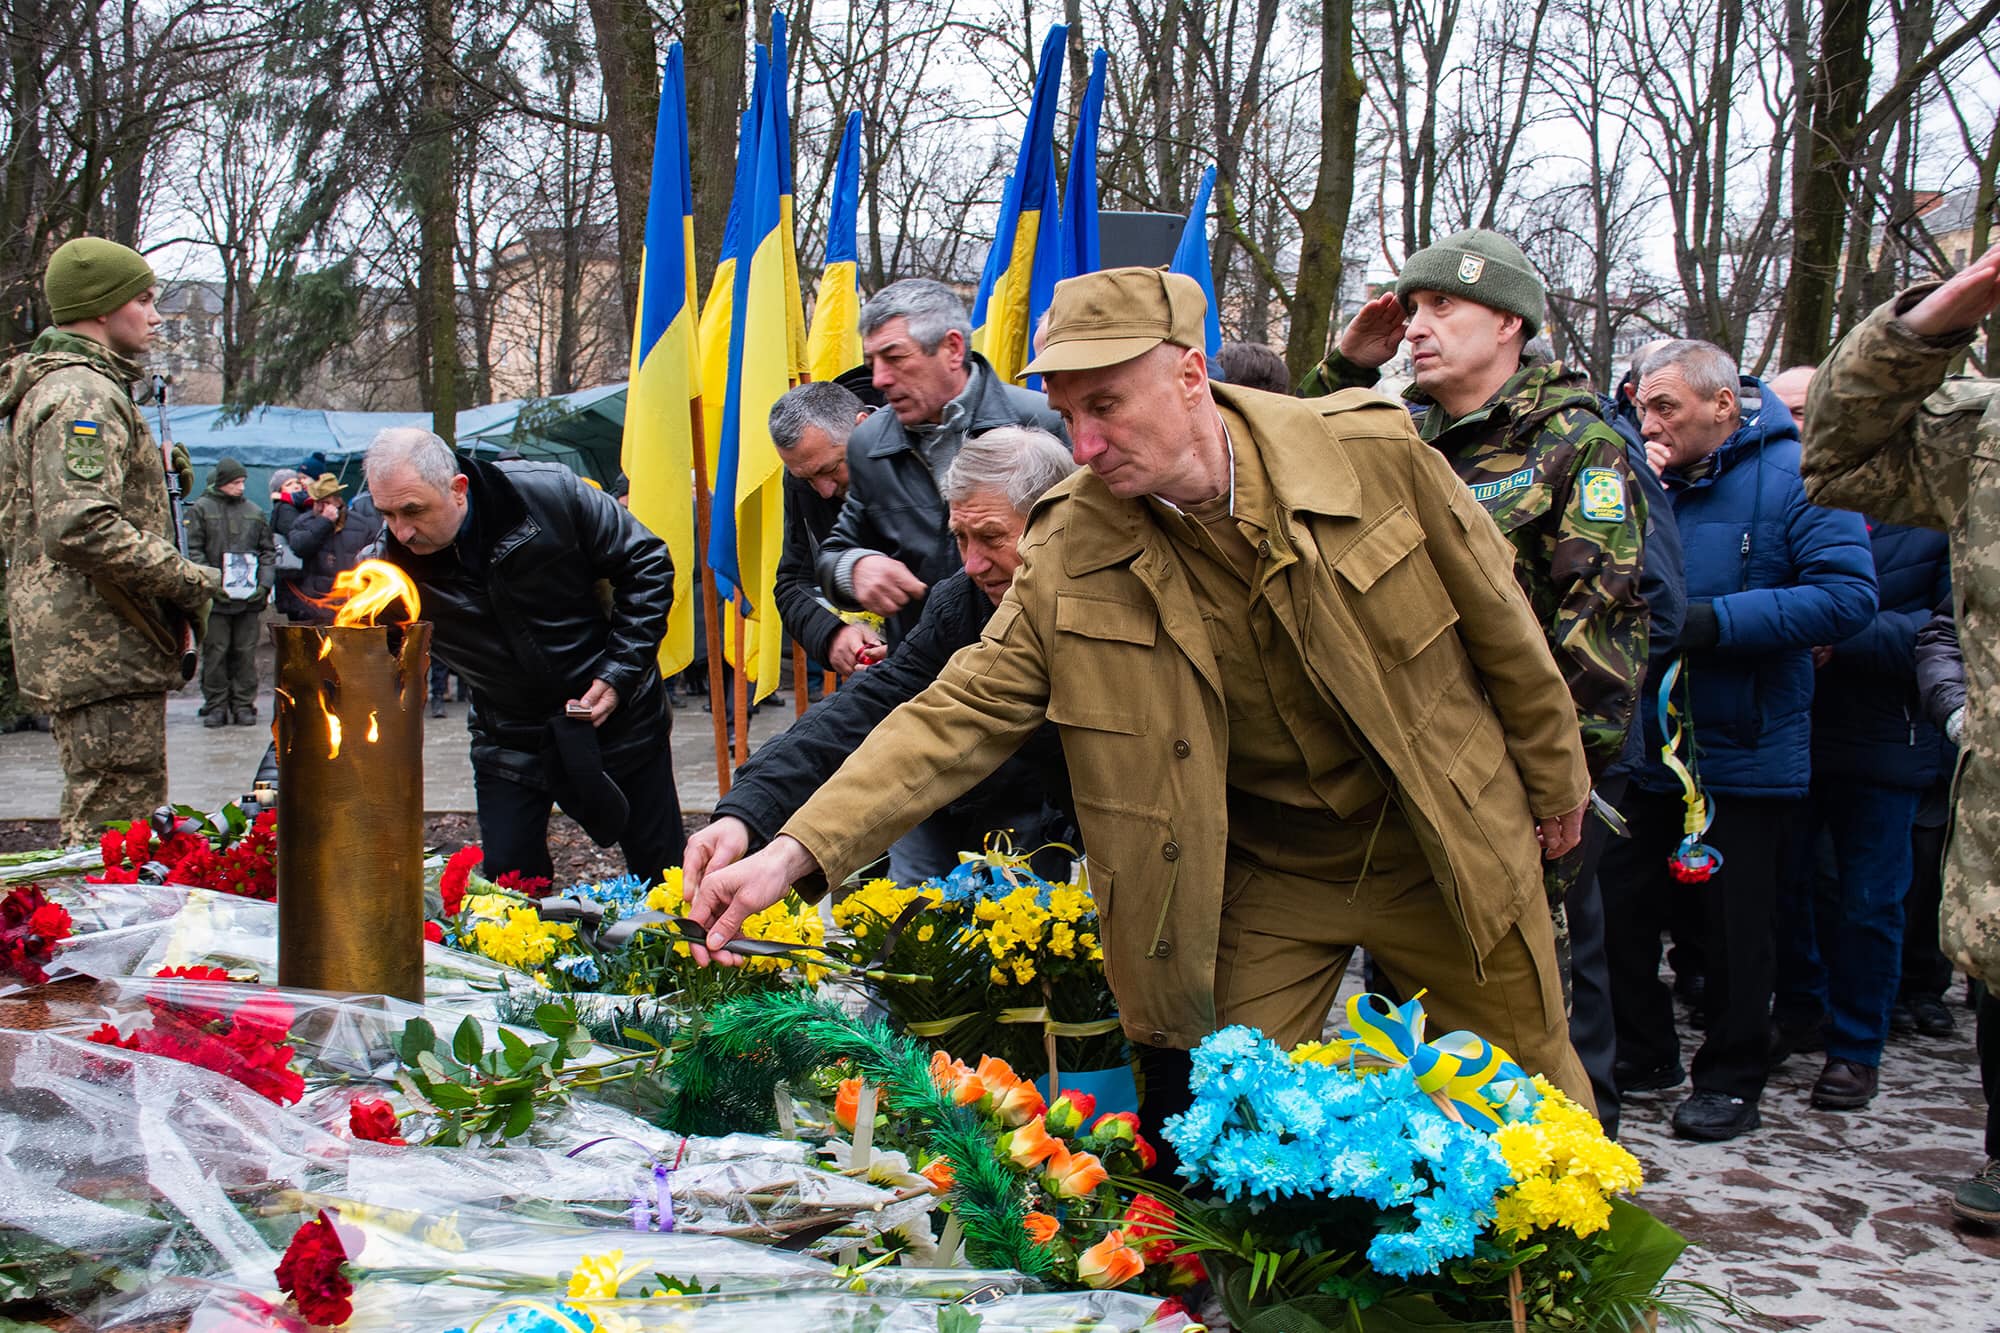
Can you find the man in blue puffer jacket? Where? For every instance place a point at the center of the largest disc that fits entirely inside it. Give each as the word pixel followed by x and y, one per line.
pixel 1768 577
pixel 1874 754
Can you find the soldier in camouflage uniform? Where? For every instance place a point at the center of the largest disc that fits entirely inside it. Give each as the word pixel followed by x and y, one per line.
pixel 1527 435
pixel 1887 433
pixel 102 603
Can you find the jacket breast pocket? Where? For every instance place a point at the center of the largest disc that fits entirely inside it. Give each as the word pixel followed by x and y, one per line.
pixel 1101 665
pixel 1395 592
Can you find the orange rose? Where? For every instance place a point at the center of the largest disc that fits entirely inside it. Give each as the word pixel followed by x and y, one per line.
pixel 1073 1175
pixel 1041 1227
pixel 847 1103
pixel 1018 1104
pixel 1032 1143
pixel 1109 1263
pixel 995 1073
pixel 938 1171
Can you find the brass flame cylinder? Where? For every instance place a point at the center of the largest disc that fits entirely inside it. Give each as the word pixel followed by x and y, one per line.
pixel 351 807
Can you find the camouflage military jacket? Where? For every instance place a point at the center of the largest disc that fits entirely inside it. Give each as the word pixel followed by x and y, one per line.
pixel 1886 433
pixel 95 587
pixel 1556 479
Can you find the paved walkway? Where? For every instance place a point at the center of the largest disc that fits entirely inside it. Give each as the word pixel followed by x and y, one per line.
pixel 207 767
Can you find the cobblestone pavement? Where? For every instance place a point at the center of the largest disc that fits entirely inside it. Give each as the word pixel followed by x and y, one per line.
pixel 1836 1219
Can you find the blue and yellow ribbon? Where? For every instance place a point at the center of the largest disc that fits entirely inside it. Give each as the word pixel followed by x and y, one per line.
pixel 1693 860
pixel 1477 1079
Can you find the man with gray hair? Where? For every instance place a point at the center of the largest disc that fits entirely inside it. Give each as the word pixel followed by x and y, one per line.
pixel 810 426
pixel 991 487
pixel 890 543
pixel 548 600
pixel 1768 577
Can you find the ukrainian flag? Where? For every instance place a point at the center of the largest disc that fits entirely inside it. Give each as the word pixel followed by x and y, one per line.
pixel 1026 258
pixel 1079 215
pixel 659 428
pixel 795 306
pixel 746 535
pixel 717 312
pixel 834 346
pixel 1191 258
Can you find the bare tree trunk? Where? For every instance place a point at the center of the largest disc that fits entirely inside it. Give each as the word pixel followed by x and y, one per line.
pixel 716 31
pixel 628 61
pixel 1324 221
pixel 435 181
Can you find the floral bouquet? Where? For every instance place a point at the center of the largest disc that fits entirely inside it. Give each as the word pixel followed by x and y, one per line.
pixel 1382 1178
pixel 30 929
pixel 229 851
pixel 1010 964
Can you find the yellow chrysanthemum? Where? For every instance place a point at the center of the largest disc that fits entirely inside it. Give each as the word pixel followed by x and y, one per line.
pixel 1565 1170
pixel 524 940
pixel 597 1275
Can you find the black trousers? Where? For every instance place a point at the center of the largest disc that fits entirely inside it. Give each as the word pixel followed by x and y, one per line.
pixel 1926 971
pixel 1735 910
pixel 1591 1027
pixel 514 819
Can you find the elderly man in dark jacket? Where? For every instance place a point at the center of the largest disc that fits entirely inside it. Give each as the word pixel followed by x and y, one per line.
pixel 549 601
pixel 1769 576
pixel 810 425
pixel 890 545
pixel 993 484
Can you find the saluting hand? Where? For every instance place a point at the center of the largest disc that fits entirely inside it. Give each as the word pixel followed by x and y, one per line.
pixel 1962 301
pixel 1376 331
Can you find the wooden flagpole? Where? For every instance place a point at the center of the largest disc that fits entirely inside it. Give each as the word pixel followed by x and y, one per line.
pixel 742 686
pixel 711 611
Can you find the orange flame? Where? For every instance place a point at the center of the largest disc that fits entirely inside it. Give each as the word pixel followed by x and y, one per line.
pixel 364 592
pixel 332 733
pixel 374 728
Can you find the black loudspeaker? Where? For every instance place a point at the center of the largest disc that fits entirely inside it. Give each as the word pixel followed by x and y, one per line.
pixel 1146 240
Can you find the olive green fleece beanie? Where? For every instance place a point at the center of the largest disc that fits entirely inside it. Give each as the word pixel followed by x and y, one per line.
pixel 91 276
pixel 1481 266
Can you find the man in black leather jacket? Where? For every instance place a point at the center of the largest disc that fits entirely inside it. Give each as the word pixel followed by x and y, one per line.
pixel 548 600
pixel 992 485
pixel 889 543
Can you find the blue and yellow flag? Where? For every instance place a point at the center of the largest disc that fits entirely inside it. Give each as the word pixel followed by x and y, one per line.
pixel 1079 214
pixel 1191 258
pixel 834 345
pixel 1026 258
pixel 746 533
pixel 795 305
pixel 717 313
pixel 659 428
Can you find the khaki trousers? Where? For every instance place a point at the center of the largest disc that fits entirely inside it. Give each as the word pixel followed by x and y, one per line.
pixel 114 763
pixel 1293 913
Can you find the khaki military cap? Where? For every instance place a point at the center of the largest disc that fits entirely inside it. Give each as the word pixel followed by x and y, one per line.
pixel 1103 319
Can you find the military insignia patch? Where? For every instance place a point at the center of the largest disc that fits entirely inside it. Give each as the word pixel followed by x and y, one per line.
pixel 1470 267
pixel 83 451
pixel 1493 490
pixel 1603 496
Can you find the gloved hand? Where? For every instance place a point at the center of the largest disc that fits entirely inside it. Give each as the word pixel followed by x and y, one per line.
pixel 213 577
pixel 1954 726
pixel 198 619
pixel 184 469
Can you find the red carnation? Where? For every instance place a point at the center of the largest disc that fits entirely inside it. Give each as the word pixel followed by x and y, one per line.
pixel 196 973
pixel 138 843
pixel 451 884
pixel 30 928
pixel 311 1273
pixel 111 847
pixel 528 886
pixel 434 932
pixel 373 1119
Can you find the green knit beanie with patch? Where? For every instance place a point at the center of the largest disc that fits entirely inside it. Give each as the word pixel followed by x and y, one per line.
pixel 1481 266
pixel 91 276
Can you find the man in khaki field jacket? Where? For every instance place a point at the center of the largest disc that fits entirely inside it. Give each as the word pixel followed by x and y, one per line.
pixel 1303 703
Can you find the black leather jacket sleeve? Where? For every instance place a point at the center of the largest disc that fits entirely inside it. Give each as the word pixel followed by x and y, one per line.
pixel 641 574
pixel 1940 668
pixel 796 586
pixel 790 768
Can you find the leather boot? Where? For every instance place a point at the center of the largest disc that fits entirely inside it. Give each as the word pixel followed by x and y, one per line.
pixel 1844 1085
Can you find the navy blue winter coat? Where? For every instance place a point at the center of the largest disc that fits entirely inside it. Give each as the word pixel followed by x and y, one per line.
pixel 1868 722
pixel 1783 575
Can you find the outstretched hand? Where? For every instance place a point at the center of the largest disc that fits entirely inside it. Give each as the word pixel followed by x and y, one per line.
pixel 1964 299
pixel 724 899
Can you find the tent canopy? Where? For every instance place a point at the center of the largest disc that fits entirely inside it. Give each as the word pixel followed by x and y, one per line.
pixel 583 431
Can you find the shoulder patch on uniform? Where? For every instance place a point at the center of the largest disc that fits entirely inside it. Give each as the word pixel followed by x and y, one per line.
pixel 1603 495
pixel 83 451
pixel 1493 490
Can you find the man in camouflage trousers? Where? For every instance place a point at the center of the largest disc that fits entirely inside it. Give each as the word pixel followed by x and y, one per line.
pixel 1528 436
pixel 102 603
pixel 1886 432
